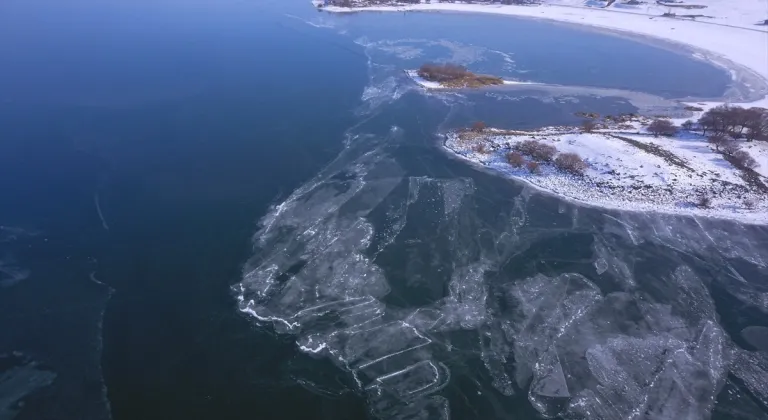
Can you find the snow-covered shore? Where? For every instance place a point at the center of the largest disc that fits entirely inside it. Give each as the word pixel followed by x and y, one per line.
pixel 632 170
pixel 730 38
pixel 628 170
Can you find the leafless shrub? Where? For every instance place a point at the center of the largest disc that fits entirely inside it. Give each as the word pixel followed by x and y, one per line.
pixel 662 127
pixel 533 167
pixel 537 150
pixel 571 163
pixel 742 159
pixel 704 202
pixel 480 148
pixel 516 159
pixel 749 204
pixel 687 125
pixel 544 152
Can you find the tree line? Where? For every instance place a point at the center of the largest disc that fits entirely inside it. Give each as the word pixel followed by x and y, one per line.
pixel 734 121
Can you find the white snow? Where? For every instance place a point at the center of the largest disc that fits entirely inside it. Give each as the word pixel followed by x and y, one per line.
pixel 759 151
pixel 620 174
pixel 413 74
pixel 623 176
pixel 731 34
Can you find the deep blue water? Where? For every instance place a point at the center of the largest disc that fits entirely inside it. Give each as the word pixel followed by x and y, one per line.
pixel 142 143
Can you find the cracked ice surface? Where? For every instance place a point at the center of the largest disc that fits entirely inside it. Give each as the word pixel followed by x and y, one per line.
pixel 337 266
pixel 313 276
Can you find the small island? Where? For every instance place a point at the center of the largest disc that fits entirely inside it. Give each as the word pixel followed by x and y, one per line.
pixel 452 76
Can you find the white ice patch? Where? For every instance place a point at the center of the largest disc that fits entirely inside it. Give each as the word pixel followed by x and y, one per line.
pixel 312 277
pixel 752 368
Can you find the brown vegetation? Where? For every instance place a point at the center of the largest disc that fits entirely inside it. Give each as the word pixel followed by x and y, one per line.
pixel 455 76
pixel 516 159
pixel 533 167
pixel 661 127
pixel 480 148
pixel 478 126
pixel 588 126
pixel 536 150
pixel 571 163
pixel 752 123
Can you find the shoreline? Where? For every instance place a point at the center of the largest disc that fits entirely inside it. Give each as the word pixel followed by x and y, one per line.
pixel 741 51
pixel 626 170
pixel 651 209
pixel 617 178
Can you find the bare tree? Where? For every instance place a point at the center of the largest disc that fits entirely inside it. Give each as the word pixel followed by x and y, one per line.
pixel 588 126
pixel 718 140
pixel 662 127
pixel 687 125
pixel 707 123
pixel 730 146
pixel 478 126
pixel 733 120
pixel 716 120
pixel 756 123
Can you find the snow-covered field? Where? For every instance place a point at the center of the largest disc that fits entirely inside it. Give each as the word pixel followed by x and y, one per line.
pixel 668 177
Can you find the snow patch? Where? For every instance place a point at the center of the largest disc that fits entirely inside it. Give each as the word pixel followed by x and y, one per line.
pixel 629 171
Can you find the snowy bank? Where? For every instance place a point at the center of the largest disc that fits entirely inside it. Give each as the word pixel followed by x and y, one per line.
pixel 628 170
pixel 731 38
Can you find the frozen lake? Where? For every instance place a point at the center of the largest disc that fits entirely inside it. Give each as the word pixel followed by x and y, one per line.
pixel 239 210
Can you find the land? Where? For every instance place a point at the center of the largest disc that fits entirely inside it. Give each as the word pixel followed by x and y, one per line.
pixel 453 76
pixel 734 37
pixel 623 165
pixel 626 167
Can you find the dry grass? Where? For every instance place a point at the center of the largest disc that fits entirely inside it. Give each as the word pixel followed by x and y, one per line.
pixel 455 76
pixel 473 81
